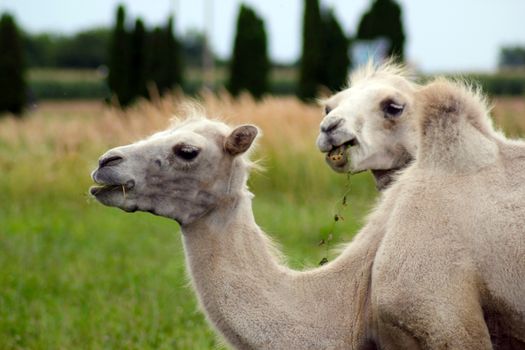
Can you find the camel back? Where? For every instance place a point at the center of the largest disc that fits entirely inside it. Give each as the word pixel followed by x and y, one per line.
pixel 455 131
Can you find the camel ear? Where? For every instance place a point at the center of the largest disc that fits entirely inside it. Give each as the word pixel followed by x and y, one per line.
pixel 240 139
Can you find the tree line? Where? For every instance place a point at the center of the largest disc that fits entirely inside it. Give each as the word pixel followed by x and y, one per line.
pixel 140 59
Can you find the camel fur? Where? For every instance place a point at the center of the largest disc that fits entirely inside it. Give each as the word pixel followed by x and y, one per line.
pixel 450 272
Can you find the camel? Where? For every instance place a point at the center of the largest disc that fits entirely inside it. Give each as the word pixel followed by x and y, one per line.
pixel 414 277
pixel 196 173
pixel 473 178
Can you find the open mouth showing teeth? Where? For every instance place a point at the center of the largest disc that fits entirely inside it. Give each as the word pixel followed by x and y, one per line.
pixel 338 158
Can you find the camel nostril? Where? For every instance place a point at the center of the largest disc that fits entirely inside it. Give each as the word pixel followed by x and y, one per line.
pixel 333 124
pixel 109 161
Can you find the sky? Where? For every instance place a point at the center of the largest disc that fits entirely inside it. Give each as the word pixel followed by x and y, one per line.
pixel 442 35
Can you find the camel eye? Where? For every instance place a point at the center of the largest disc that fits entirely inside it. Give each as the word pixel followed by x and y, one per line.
pixel 392 109
pixel 186 152
pixel 327 109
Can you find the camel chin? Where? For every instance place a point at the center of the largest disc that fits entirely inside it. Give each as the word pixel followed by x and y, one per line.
pixel 110 196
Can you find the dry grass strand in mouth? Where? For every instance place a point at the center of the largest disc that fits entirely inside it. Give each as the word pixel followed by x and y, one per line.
pixel 113 188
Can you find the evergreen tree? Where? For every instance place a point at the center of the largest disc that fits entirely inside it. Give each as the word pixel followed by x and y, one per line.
pixel 334 53
pixel 120 61
pixel 309 71
pixel 155 61
pixel 12 83
pixel 249 65
pixel 384 19
pixel 165 58
pixel 138 61
pixel 174 64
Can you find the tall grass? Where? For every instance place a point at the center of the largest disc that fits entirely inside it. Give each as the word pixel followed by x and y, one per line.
pixel 75 274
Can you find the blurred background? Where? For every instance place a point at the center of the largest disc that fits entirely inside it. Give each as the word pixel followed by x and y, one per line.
pixel 77 78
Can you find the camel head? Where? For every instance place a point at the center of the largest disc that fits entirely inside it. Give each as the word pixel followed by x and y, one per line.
pixel 369 126
pixel 182 173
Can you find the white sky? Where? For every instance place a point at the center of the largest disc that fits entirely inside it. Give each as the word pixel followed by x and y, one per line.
pixel 442 35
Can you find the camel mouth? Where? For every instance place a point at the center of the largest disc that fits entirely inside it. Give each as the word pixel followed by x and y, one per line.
pixel 101 188
pixel 338 158
pixel 98 190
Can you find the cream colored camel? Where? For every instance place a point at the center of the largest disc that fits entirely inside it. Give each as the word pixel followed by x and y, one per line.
pixel 196 174
pixel 463 199
pixel 416 276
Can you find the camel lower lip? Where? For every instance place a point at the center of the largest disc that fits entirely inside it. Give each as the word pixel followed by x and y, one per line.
pixel 104 188
pixel 100 189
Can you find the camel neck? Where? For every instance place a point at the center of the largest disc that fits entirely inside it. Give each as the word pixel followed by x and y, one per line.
pixel 229 237
pixel 256 302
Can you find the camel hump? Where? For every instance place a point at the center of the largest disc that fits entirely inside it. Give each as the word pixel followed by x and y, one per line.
pixel 454 124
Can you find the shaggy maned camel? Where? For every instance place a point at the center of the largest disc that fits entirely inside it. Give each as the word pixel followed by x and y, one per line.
pixel 472 179
pixel 414 277
pixel 375 115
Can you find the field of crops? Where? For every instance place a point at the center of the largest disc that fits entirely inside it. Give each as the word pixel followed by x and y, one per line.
pixel 77 275
pixel 70 84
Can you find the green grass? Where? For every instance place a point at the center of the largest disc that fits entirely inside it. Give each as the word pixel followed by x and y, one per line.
pixel 77 275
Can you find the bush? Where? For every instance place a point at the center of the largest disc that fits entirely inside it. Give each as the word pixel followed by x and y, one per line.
pixel 60 90
pixel 500 84
pixel 87 49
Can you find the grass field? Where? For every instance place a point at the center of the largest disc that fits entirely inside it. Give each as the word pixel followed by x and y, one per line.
pixel 77 275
